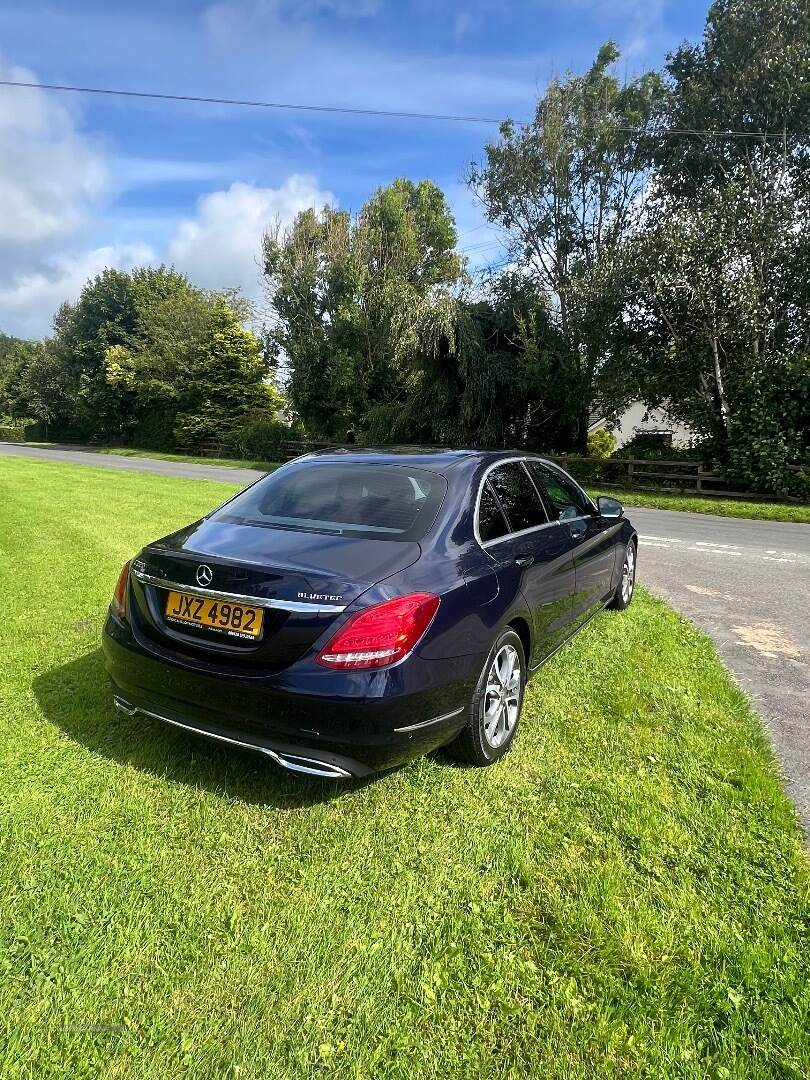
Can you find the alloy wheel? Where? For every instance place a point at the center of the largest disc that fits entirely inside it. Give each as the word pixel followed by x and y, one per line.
pixel 500 703
pixel 628 574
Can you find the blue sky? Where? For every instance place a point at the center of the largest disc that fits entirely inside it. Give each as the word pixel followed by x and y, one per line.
pixel 87 182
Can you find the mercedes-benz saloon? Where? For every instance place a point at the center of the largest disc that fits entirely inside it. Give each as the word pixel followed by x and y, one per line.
pixel 353 610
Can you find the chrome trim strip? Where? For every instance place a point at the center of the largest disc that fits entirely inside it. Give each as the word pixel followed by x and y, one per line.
pixel 485 544
pixel 435 720
pixel 318 768
pixel 242 598
pixel 509 536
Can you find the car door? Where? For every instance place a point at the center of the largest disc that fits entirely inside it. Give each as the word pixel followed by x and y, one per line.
pixel 531 553
pixel 593 537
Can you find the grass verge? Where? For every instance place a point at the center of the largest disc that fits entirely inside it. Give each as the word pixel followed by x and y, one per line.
pixel 625 895
pixel 696 504
pixel 702 504
pixel 161 455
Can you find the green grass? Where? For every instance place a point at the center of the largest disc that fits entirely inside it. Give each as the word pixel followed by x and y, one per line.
pixel 703 504
pixel 626 894
pixel 161 455
pixel 696 504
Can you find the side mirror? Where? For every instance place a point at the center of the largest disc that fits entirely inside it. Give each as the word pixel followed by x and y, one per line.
pixel 609 508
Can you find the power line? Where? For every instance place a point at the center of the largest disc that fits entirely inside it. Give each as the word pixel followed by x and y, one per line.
pixel 390 113
pixel 357 111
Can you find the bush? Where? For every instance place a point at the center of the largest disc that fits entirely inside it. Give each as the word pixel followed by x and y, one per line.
pixel 771 430
pixel 654 447
pixel 192 429
pixel 258 436
pixel 601 443
pixel 155 430
pixel 14 430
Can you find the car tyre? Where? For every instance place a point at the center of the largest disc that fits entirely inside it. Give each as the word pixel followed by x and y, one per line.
pixel 494 712
pixel 627 581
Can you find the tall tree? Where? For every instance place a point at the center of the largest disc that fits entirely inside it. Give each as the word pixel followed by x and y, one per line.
pixel 193 372
pixel 722 314
pixel 105 315
pixel 749 75
pixel 491 378
pixel 568 190
pixel 356 301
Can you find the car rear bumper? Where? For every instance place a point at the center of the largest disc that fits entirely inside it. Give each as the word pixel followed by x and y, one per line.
pixel 326 734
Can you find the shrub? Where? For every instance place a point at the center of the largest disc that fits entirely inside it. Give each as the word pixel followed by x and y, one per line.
pixel 258 435
pixel 14 430
pixel 601 443
pixel 192 429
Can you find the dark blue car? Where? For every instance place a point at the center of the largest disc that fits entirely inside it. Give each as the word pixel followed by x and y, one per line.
pixel 351 611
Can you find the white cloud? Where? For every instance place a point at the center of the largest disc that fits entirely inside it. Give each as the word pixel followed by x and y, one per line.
pixel 29 300
pixel 228 16
pixel 50 172
pixel 641 21
pixel 220 246
pixel 54 181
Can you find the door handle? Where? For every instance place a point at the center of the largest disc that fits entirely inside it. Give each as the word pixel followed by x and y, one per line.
pixel 577 529
pixel 524 560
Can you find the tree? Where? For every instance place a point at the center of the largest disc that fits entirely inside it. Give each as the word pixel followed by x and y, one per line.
pixel 358 301
pixel 104 316
pixel 34 384
pixel 722 313
pixel 750 73
pixel 193 372
pixel 568 190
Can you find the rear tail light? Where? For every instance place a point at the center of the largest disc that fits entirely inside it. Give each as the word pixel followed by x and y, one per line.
pixel 380 635
pixel 119 600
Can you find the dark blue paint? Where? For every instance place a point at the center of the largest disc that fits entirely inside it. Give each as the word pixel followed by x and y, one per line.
pixel 548 582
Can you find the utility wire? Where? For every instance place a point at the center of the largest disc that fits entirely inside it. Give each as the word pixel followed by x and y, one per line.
pixel 391 113
pixel 351 111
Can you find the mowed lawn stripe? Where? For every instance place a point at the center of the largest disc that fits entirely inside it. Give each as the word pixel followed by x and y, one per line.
pixel 626 894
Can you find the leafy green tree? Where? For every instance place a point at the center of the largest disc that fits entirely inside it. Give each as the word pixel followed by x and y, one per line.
pixel 34 385
pixel 567 189
pixel 104 316
pixel 193 372
pixel 750 73
pixel 357 302
pixel 722 313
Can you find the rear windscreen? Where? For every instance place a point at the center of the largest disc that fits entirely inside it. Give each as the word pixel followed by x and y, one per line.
pixel 378 502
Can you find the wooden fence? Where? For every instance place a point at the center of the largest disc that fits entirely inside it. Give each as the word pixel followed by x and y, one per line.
pixel 645 474
pixel 639 474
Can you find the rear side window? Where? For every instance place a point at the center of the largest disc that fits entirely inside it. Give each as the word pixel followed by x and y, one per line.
pixel 518 496
pixel 564 499
pixel 491 522
pixel 377 502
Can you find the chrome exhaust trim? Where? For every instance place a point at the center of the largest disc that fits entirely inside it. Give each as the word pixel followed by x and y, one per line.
pixel 292 762
pixel 298 764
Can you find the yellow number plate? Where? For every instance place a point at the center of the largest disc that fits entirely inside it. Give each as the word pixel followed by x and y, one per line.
pixel 235 620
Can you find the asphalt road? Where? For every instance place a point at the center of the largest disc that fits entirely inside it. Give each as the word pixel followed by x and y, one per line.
pixel 77 456
pixel 745 583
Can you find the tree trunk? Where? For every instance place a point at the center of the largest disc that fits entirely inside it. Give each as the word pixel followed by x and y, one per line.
pixel 718 381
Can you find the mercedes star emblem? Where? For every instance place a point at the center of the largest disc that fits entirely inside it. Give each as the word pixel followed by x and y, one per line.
pixel 204 575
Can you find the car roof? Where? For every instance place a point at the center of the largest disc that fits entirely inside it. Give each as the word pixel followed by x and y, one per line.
pixel 438 458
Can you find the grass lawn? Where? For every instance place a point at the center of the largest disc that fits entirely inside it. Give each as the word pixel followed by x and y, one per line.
pixel 697 504
pixel 626 894
pixel 702 504
pixel 127 451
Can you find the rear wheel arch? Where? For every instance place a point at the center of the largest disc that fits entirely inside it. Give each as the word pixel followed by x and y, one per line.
pixel 523 631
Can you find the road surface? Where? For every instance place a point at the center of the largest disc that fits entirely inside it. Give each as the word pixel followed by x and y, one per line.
pixel 745 583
